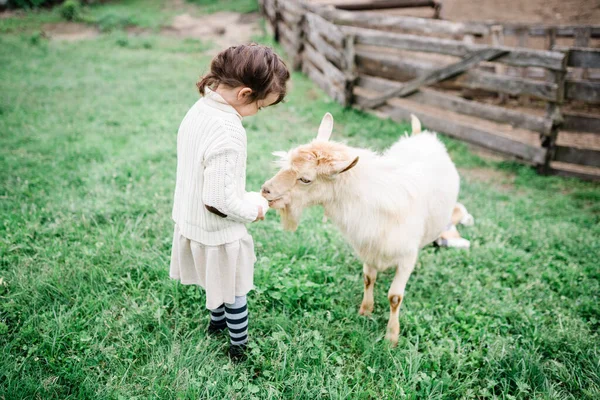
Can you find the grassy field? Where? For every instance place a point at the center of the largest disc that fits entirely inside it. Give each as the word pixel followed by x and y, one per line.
pixel 87 310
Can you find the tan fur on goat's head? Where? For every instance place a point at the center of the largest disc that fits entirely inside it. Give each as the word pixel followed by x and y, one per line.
pixel 307 175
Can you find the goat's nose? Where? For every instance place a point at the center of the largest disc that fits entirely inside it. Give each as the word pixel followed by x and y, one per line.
pixel 265 190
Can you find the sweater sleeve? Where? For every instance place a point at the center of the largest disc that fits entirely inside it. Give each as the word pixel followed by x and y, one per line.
pixel 220 191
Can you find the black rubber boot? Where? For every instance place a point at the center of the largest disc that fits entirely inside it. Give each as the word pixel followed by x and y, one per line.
pixel 214 329
pixel 237 352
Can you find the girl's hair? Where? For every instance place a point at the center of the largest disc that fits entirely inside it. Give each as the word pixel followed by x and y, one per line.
pixel 253 66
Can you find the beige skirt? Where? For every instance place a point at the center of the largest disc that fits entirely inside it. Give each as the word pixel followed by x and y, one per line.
pixel 223 271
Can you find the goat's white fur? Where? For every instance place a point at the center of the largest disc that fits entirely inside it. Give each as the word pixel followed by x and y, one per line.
pixel 391 205
pixel 388 206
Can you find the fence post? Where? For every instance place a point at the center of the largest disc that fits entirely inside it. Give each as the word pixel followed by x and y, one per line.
pixel 551 35
pixel 554 114
pixel 437 10
pixel 297 59
pixel 582 39
pixel 523 35
pixel 497 32
pixel 349 69
pixel 276 21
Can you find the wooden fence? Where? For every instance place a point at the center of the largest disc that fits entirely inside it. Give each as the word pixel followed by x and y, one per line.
pixel 458 78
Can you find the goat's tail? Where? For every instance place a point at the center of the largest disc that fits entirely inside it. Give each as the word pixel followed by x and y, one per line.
pixel 415 124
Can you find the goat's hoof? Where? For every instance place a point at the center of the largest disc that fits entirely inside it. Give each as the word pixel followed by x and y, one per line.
pixel 392 338
pixel 366 309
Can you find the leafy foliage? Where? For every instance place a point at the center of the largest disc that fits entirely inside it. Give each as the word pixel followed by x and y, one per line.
pixel 71 10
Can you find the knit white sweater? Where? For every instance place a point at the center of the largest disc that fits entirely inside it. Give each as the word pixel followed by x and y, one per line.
pixel 211 171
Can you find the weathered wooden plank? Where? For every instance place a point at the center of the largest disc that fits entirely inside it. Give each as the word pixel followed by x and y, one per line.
pixel 329 31
pixel 581 57
pixel 541 30
pixel 437 75
pixel 584 58
pixel 586 91
pixel 292 52
pixel 582 36
pixel 288 47
pixel 331 53
pixel 497 33
pixel 490 112
pixel 580 123
pixel 328 69
pixel 468 133
pixel 270 10
pixel 382 4
pixel 316 76
pixel 401 69
pixel 459 105
pixel 509 85
pixel 425 26
pixel 574 155
pixel 290 18
pixel 515 56
pixel 391 66
pixel 549 142
pixel 349 69
pixel 291 7
pixel 292 36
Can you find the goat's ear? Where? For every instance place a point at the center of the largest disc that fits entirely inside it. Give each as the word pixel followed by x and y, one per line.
pixel 339 167
pixel 325 128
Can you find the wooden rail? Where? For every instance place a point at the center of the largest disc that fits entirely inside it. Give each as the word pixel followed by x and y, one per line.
pixel 425 26
pixel 542 30
pixel 398 68
pixel 437 75
pixel 516 119
pixel 581 123
pixel 515 56
pixel 383 4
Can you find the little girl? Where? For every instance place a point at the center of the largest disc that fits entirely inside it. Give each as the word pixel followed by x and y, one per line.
pixel 211 246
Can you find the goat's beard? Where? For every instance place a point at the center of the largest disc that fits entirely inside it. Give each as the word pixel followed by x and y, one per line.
pixel 290 216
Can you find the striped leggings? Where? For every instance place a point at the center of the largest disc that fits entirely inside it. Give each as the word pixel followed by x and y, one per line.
pixel 235 316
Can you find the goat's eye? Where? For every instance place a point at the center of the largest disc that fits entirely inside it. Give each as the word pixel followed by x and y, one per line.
pixel 305 181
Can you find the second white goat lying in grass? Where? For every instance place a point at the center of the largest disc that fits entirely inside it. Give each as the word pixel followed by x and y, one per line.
pixel 388 206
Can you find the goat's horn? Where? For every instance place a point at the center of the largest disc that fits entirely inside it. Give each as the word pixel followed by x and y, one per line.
pixel 325 128
pixel 415 123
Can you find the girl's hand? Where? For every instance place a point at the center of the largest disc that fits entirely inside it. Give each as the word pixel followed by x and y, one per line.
pixel 261 214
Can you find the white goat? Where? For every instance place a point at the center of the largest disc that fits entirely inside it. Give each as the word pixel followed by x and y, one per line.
pixel 388 206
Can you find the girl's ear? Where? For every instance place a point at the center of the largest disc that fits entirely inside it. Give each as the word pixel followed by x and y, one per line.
pixel 244 94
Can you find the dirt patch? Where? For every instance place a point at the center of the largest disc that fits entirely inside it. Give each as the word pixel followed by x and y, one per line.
pixel 530 11
pixel 223 28
pixel 500 179
pixel 70 31
pixel 9 14
pixel 581 169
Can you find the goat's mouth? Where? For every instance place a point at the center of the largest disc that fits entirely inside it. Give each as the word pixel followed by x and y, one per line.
pixel 275 200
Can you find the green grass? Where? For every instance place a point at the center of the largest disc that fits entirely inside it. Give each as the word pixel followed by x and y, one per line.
pixel 87 310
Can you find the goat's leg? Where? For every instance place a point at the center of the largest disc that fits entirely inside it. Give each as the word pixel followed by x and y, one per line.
pixel 369 277
pixel 396 294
